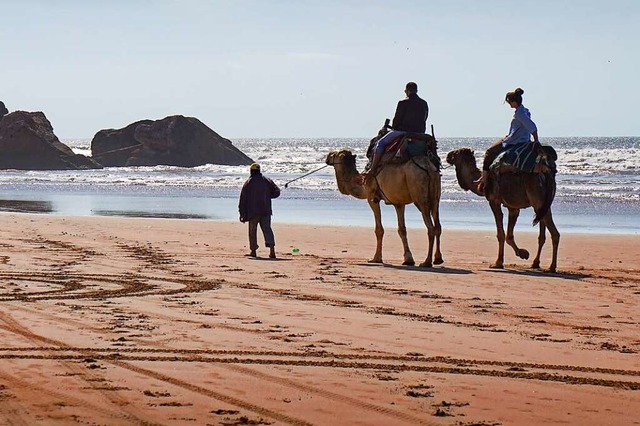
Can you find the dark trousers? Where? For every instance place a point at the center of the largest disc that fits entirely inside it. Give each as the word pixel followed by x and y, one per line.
pixel 492 152
pixel 265 225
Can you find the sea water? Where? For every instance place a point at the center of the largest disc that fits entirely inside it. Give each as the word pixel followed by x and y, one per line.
pixel 598 187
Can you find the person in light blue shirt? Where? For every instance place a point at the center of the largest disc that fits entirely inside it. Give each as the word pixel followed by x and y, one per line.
pixel 520 131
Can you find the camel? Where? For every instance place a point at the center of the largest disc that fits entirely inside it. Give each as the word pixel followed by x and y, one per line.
pixel 417 181
pixel 515 191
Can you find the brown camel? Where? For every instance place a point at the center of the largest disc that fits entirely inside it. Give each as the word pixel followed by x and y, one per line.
pixel 416 181
pixel 515 191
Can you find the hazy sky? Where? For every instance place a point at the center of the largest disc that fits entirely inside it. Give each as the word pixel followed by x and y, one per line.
pixel 323 68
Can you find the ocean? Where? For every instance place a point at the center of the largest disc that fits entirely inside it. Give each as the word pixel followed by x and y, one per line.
pixel 598 187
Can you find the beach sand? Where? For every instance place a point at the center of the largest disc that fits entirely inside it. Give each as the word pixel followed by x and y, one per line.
pixel 108 321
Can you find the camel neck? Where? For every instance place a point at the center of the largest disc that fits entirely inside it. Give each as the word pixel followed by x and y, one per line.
pixel 466 174
pixel 346 179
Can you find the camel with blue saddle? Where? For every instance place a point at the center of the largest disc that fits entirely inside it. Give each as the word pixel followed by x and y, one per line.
pixel 521 177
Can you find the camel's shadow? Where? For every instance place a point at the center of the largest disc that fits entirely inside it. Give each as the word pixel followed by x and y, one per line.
pixel 541 273
pixel 433 270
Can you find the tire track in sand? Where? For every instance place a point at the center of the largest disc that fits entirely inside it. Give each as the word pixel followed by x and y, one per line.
pixel 195 285
pixel 303 360
pixel 191 355
pixel 194 355
pixel 11 325
pixel 353 365
pixel 13 381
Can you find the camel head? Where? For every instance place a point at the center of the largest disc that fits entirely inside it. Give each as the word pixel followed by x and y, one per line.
pixel 461 156
pixel 466 170
pixel 343 157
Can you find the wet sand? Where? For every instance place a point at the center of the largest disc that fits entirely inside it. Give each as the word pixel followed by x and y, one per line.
pixel 109 321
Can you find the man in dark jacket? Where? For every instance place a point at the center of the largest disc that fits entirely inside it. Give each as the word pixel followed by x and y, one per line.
pixel 255 208
pixel 411 117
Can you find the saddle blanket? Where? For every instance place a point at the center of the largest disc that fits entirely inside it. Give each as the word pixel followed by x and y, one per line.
pixel 524 157
pixel 402 148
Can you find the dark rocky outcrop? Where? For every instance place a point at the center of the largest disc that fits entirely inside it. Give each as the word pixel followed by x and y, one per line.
pixel 27 142
pixel 3 110
pixel 173 141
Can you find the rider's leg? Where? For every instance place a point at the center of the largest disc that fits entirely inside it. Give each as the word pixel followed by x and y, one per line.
pixel 490 155
pixel 381 145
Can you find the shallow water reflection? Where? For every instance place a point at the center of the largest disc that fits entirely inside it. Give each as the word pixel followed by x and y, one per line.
pixel 155 215
pixel 26 206
pixel 301 207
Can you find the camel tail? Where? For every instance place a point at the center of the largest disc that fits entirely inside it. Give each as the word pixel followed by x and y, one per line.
pixel 550 193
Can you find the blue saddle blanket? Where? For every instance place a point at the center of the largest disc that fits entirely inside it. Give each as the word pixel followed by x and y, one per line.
pixel 524 157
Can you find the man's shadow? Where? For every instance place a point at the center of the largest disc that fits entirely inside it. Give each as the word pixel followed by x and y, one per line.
pixel 268 259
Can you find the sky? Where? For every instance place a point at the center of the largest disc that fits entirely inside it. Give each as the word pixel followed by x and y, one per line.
pixel 299 68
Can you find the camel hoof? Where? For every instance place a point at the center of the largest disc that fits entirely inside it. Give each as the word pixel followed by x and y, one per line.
pixel 438 261
pixel 496 266
pixel 552 269
pixel 523 254
pixel 425 265
pixel 374 261
pixel 409 262
pixel 535 265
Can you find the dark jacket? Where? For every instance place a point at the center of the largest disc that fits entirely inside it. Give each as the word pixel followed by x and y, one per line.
pixel 411 115
pixel 256 195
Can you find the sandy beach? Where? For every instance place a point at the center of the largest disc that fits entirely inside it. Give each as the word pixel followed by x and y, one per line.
pixel 121 321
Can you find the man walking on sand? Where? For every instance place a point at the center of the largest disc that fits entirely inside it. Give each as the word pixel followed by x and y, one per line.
pixel 255 208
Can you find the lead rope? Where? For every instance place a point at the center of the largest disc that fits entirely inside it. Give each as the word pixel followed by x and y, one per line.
pixel 307 174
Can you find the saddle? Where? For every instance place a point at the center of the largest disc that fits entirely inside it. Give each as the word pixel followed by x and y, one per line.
pixel 527 158
pixel 405 147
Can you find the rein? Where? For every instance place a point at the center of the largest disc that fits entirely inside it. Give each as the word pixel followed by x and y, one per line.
pixel 307 174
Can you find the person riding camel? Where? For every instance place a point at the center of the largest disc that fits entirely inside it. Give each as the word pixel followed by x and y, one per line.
pixel 410 117
pixel 520 132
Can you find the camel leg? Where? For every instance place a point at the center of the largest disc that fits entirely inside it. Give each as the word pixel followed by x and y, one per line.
pixel 497 215
pixel 555 239
pixel 435 213
pixel 402 231
pixel 513 218
pixel 426 216
pixel 541 240
pixel 375 206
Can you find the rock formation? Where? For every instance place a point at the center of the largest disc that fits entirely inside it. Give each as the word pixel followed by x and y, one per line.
pixel 27 142
pixel 174 141
pixel 3 110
